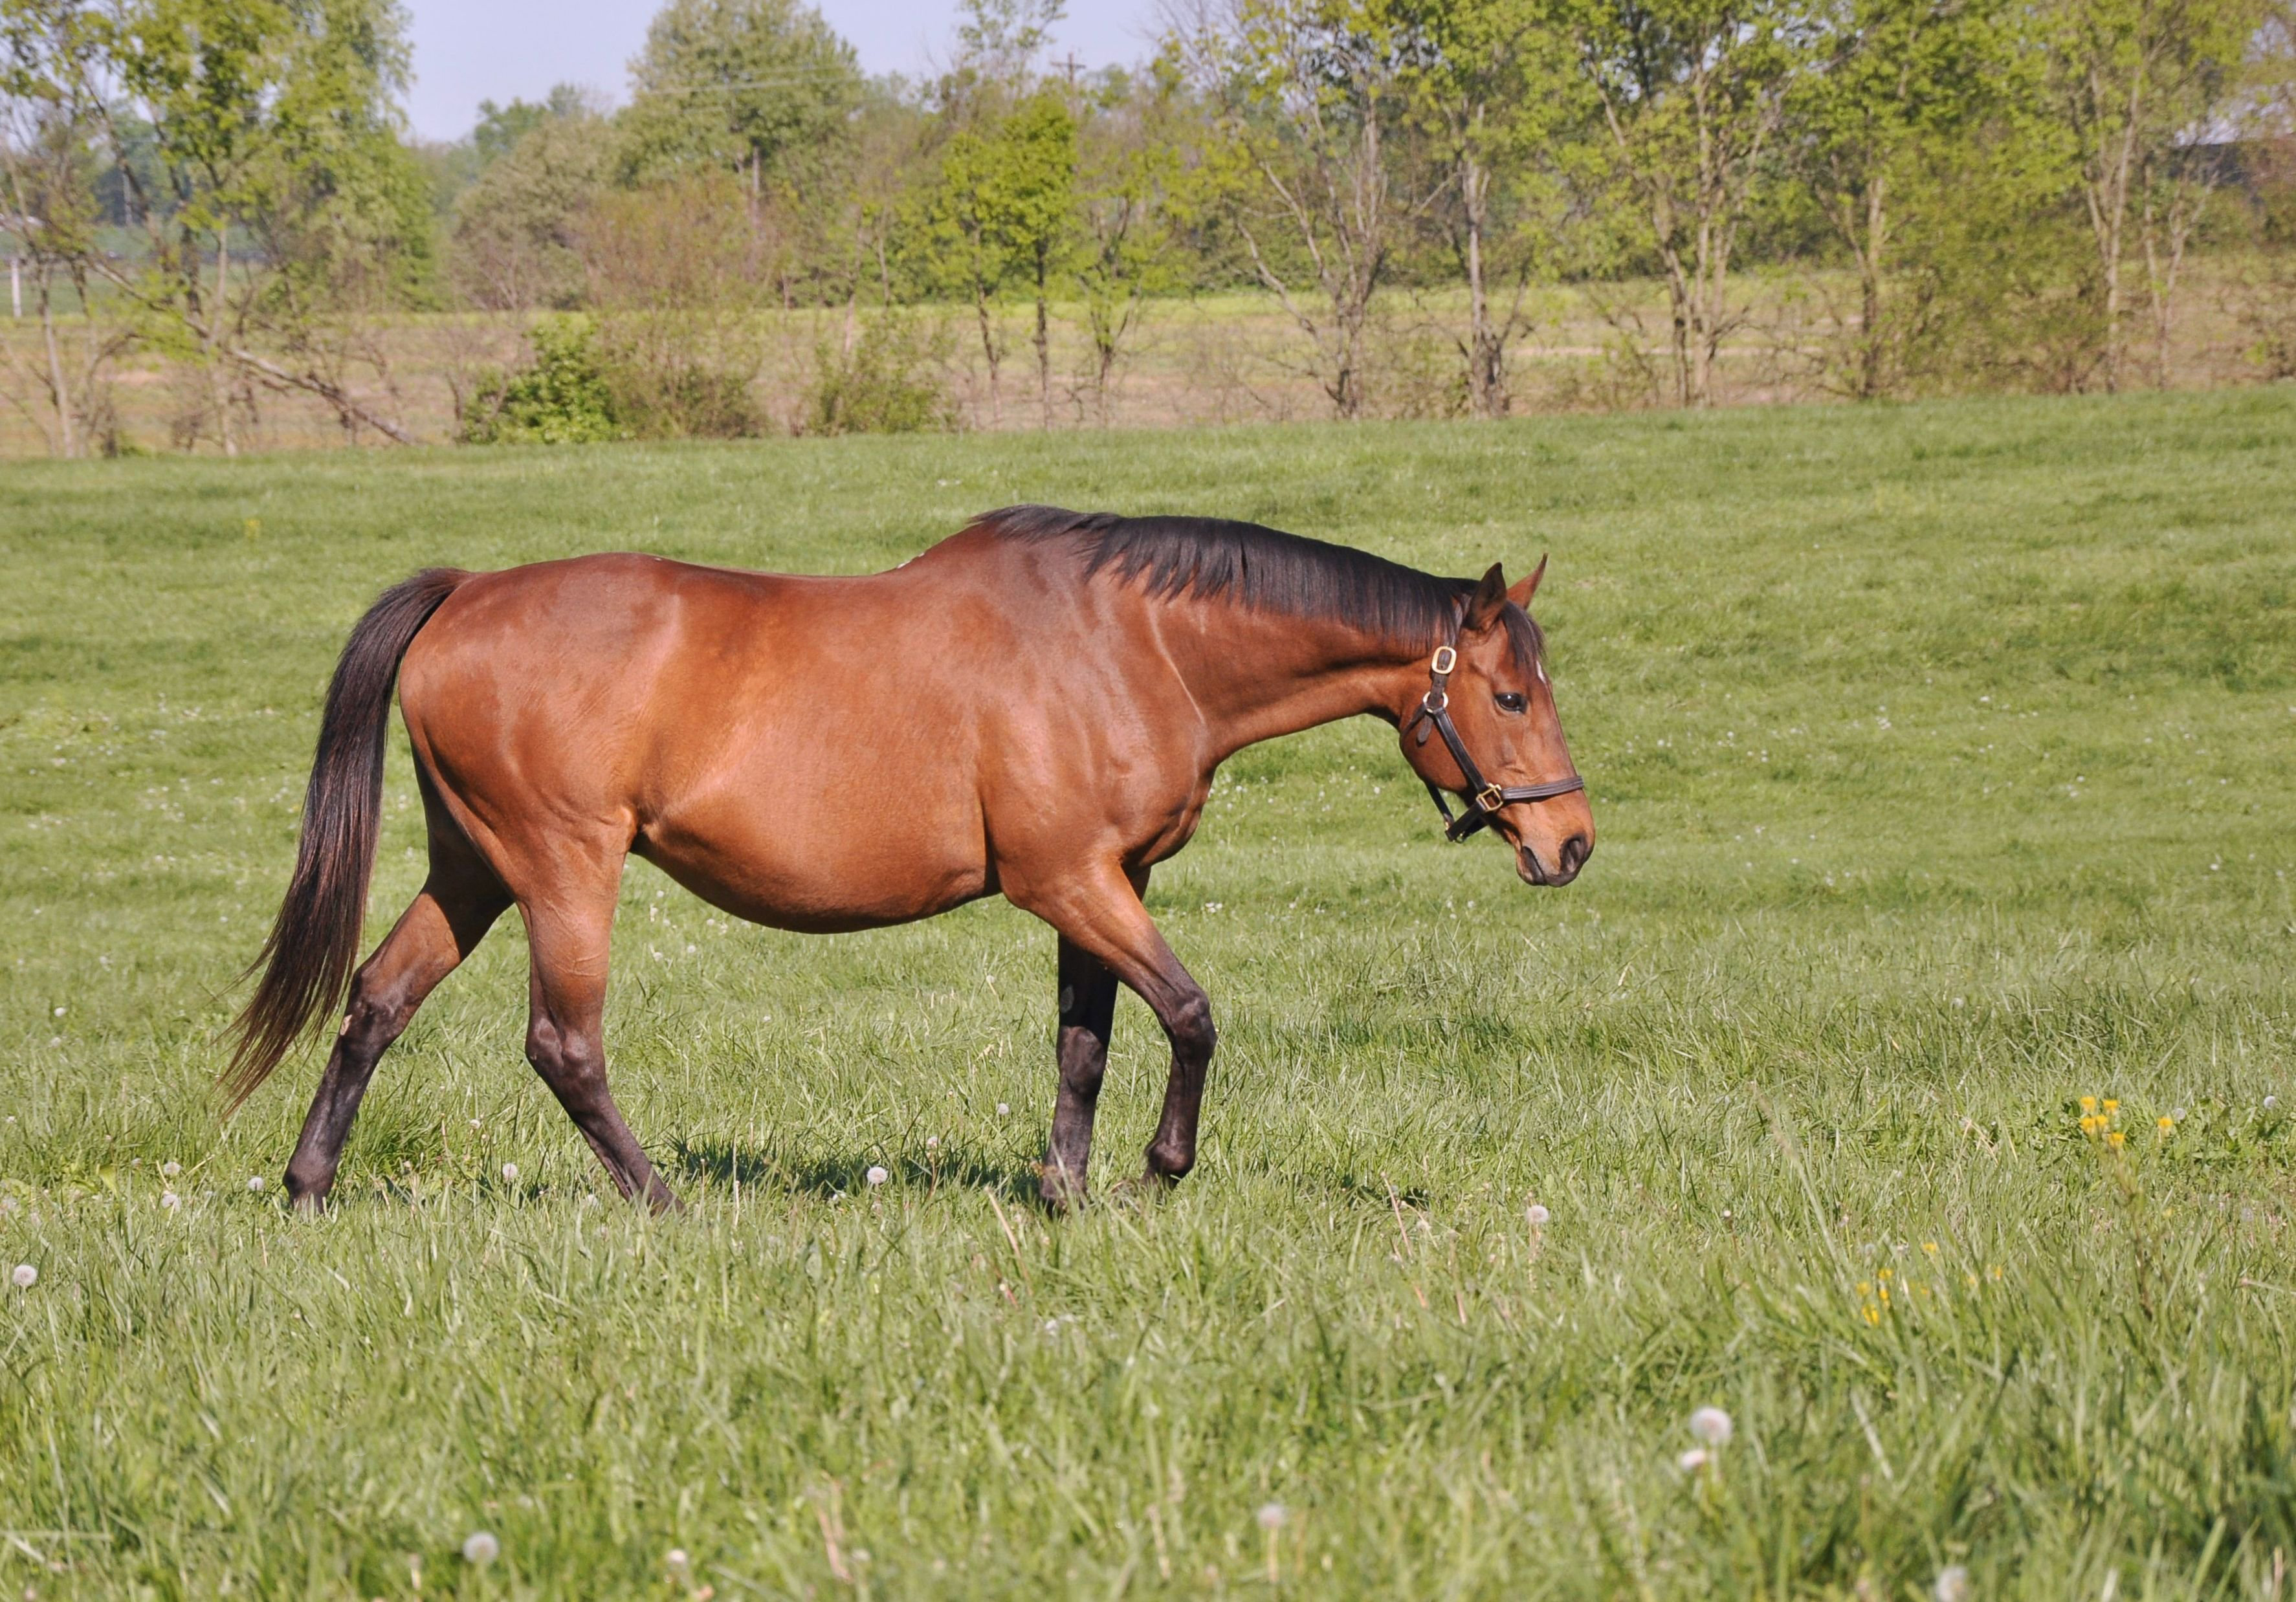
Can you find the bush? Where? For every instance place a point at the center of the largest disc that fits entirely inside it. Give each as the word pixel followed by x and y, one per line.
pixel 889 383
pixel 562 397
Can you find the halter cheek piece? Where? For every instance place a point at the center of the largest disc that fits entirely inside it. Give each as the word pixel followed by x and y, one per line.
pixel 1483 799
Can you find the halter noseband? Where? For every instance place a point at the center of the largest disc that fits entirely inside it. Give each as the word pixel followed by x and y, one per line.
pixel 1483 799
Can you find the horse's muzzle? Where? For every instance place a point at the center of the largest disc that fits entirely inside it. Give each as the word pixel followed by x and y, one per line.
pixel 1570 858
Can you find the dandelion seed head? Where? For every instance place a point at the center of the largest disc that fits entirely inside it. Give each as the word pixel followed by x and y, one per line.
pixel 932 1142
pixel 1712 1424
pixel 510 1173
pixel 168 1170
pixel 255 1185
pixel 1003 1110
pixel 2270 1102
pixel 677 1558
pixel 1538 1214
pixel 171 1201
pixel 1693 1460
pixel 1951 1584
pixel 876 1175
pixel 480 1548
pixel 1271 1516
pixel 24 1277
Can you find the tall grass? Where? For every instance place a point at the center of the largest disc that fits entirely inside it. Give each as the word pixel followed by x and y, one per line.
pixel 1940 757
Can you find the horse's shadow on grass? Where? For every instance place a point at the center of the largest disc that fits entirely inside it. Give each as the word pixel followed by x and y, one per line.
pixel 727 1163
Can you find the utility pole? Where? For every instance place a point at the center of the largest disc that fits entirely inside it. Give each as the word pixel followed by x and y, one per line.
pixel 15 286
pixel 1071 67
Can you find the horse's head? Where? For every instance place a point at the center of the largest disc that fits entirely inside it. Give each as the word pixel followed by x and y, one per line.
pixel 1488 730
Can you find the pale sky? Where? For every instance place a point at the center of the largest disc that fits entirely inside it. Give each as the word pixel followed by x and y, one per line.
pixel 467 51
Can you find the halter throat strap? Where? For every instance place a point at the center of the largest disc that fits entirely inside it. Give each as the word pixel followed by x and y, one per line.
pixel 1483 799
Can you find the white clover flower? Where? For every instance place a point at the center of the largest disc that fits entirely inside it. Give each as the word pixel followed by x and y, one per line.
pixel 481 1547
pixel 510 1173
pixel 1693 1460
pixel 1951 1584
pixel 1538 1216
pixel 876 1175
pixel 255 1185
pixel 1710 1425
pixel 1003 1110
pixel 25 1277
pixel 1272 1515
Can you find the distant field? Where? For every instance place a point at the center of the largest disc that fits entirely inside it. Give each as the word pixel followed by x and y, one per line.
pixel 1223 358
pixel 1941 757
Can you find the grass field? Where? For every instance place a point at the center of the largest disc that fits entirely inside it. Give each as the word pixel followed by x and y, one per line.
pixel 1941 759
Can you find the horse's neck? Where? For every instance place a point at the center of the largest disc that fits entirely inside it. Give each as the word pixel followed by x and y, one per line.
pixel 1257 677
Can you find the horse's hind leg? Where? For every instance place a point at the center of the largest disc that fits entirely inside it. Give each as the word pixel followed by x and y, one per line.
pixel 565 1032
pixel 458 903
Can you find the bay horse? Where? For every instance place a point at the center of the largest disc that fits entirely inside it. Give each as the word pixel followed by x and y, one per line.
pixel 1033 708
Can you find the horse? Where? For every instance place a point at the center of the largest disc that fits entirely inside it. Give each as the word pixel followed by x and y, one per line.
pixel 1034 707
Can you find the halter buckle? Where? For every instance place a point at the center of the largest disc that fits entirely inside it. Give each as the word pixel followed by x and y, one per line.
pixel 1435 701
pixel 1490 798
pixel 1446 659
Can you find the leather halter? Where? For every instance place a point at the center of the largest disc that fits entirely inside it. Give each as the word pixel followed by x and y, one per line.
pixel 1483 798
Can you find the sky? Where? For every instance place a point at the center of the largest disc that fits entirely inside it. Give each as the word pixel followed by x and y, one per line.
pixel 467 51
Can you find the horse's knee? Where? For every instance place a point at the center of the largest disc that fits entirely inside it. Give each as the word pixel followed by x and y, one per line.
pixel 569 1062
pixel 1191 1027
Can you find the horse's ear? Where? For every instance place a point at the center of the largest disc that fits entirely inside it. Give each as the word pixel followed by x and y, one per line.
pixel 1522 591
pixel 1489 600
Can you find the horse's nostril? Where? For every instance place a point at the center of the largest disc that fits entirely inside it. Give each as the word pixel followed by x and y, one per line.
pixel 1576 850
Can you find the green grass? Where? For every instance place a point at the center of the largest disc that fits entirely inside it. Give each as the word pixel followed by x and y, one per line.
pixel 1941 760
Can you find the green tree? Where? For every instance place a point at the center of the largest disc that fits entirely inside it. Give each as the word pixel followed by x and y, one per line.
pixel 2129 82
pixel 516 234
pixel 747 86
pixel 1690 93
pixel 1310 94
pixel 1000 213
pixel 1498 98
pixel 50 213
pixel 1130 149
pixel 1882 131
pixel 257 143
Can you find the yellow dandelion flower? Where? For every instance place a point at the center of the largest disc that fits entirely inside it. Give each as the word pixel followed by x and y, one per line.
pixel 2164 1124
pixel 1865 1287
pixel 2116 1139
pixel 1873 1313
pixel 1884 1274
pixel 1971 1279
pixel 1930 1246
pixel 2110 1106
pixel 1995 1271
pixel 2088 1104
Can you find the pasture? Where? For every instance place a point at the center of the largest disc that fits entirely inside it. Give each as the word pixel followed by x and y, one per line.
pixel 1941 760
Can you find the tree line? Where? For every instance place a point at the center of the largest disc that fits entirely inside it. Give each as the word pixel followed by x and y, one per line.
pixel 1984 193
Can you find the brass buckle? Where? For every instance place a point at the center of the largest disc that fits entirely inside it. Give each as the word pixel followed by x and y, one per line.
pixel 1446 659
pixel 1490 798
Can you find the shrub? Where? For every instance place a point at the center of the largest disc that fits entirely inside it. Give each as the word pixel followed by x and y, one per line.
pixel 889 383
pixel 562 397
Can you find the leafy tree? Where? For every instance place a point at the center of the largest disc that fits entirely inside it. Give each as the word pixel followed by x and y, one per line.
pixel 257 143
pixel 2128 81
pixel 740 85
pixel 517 230
pixel 1884 122
pixel 1691 93
pixel 1129 154
pixel 1310 92
pixel 1499 99
pixel 1000 213
pixel 50 210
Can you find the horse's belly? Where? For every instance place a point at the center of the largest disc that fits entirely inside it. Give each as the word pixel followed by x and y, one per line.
pixel 789 870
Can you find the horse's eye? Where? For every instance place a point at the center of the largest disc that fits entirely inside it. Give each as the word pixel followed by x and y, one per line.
pixel 1511 700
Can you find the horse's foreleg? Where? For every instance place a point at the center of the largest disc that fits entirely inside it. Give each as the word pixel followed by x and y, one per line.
pixel 1087 1001
pixel 1100 913
pixel 565 1033
pixel 456 907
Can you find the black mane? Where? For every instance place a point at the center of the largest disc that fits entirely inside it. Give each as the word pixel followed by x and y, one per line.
pixel 1264 570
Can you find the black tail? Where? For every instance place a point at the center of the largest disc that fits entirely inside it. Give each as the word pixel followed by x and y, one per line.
pixel 308 958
